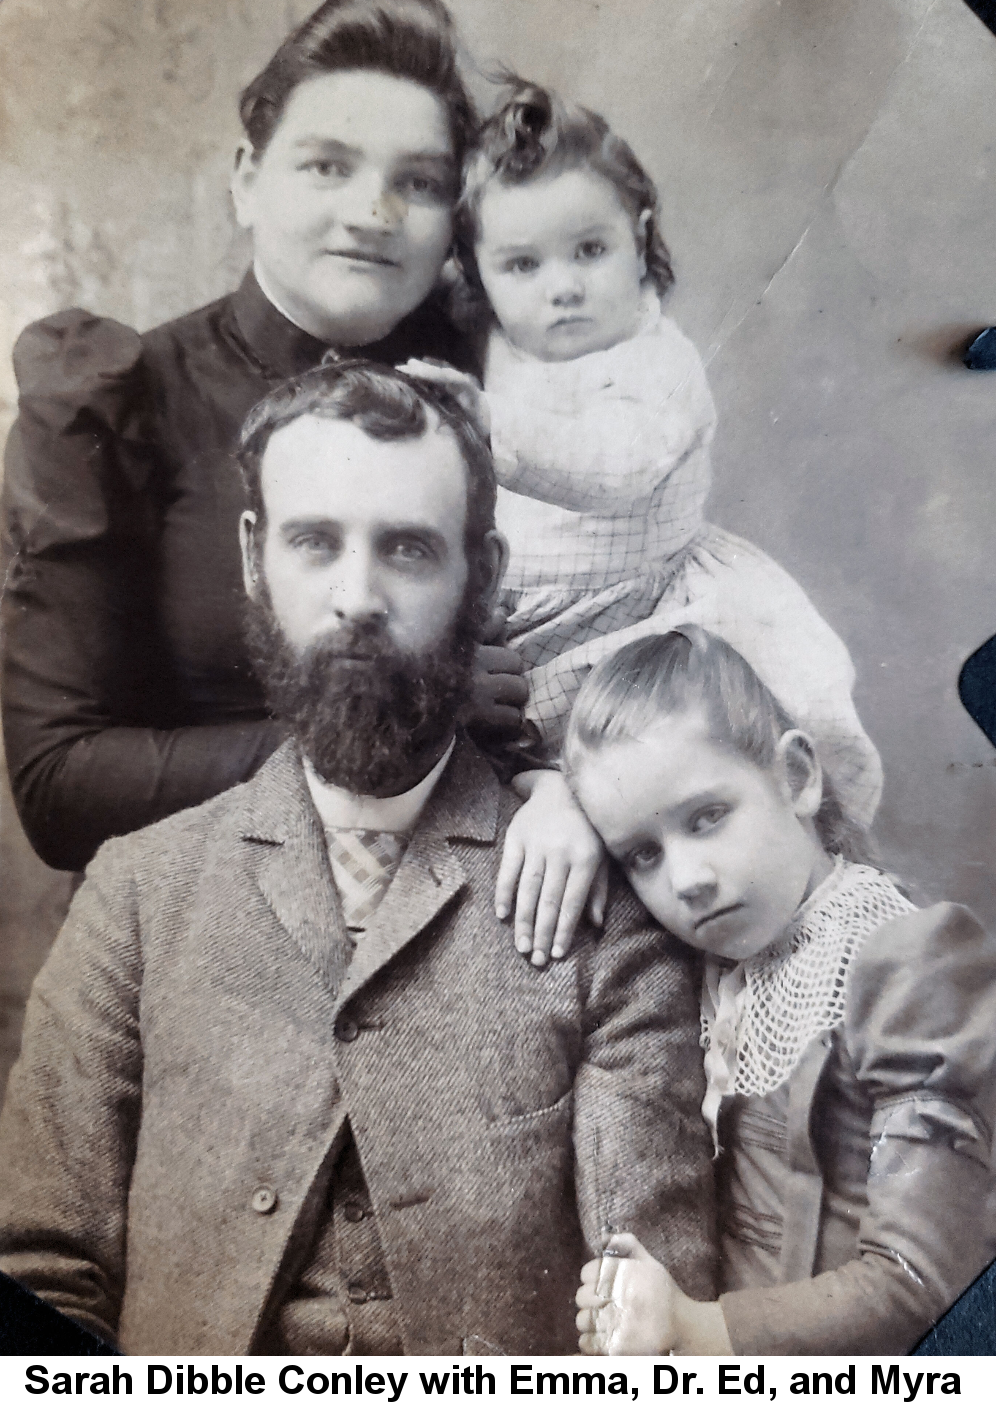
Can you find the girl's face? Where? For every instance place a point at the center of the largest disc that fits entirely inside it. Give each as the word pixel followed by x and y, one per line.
pixel 721 852
pixel 560 263
pixel 350 204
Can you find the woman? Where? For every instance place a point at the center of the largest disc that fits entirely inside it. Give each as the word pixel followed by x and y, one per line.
pixel 128 694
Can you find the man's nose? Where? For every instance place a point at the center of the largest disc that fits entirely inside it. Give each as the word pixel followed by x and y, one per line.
pixel 566 287
pixel 356 591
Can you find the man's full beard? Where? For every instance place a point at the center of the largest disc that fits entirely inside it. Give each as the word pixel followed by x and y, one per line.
pixel 362 724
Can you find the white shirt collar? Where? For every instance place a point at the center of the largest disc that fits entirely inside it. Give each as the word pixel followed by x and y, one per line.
pixel 338 809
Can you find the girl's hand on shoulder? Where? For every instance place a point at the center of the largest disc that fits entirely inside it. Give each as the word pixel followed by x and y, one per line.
pixel 463 387
pixel 553 863
pixel 628 1304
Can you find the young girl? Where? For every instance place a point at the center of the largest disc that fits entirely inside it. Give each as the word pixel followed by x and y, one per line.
pixel 601 420
pixel 850 1039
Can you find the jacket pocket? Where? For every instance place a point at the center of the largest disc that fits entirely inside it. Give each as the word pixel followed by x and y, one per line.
pixel 553 1115
pixel 534 1150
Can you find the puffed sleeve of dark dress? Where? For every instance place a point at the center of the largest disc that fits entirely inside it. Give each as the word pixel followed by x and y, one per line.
pixel 94 746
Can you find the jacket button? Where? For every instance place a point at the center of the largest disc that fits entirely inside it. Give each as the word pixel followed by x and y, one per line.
pixel 356 1293
pixel 346 1028
pixel 353 1213
pixel 264 1200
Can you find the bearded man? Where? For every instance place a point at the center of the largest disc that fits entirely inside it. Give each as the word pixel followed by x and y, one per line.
pixel 286 1086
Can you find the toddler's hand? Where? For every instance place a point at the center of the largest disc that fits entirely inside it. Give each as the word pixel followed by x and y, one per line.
pixel 553 861
pixel 628 1304
pixel 464 388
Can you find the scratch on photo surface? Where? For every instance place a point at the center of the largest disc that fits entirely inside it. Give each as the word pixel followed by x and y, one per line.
pixel 722 337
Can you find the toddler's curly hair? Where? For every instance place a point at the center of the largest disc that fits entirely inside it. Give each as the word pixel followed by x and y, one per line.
pixel 536 133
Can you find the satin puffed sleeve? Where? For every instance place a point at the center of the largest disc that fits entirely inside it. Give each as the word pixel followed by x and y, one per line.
pixel 92 750
pixel 920 1030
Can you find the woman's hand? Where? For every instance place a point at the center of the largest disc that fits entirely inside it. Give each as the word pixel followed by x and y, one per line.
pixel 463 387
pixel 553 861
pixel 628 1304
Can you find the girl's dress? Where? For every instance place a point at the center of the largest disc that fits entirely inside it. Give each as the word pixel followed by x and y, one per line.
pixel 603 464
pixel 127 693
pixel 851 1073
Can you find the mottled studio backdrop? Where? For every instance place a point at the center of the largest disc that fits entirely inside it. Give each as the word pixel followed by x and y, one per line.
pixel 828 170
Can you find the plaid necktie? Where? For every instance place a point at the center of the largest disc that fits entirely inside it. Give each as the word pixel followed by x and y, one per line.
pixel 367 860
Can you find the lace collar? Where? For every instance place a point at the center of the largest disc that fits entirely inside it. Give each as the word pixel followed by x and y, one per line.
pixel 759 1016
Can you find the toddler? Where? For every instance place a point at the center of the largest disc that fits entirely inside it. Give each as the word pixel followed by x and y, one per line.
pixel 849 1038
pixel 601 420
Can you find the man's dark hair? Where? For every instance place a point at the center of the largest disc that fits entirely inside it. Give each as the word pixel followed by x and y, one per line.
pixel 389 406
pixel 407 39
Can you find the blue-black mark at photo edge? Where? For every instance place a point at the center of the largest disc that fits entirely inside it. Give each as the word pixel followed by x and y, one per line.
pixel 986 11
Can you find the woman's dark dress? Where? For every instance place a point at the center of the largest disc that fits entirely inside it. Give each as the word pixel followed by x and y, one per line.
pixel 127 692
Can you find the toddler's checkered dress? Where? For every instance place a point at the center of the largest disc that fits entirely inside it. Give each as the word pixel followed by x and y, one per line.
pixel 604 468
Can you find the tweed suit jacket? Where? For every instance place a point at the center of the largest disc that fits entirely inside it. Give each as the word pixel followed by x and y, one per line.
pixel 201 1032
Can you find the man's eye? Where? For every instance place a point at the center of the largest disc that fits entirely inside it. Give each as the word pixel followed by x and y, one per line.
pixel 314 545
pixel 326 167
pixel 645 856
pixel 522 265
pixel 591 250
pixel 708 818
pixel 408 551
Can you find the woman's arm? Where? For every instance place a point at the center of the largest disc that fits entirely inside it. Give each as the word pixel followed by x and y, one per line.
pixel 91 750
pixel 82 772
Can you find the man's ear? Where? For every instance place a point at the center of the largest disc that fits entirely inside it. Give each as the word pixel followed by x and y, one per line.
pixel 496 563
pixel 250 554
pixel 800 774
pixel 244 176
pixel 642 227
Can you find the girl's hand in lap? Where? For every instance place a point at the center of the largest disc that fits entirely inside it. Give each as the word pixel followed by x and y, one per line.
pixel 552 864
pixel 628 1304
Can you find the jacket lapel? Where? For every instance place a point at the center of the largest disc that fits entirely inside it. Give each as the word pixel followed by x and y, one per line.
pixel 464 806
pixel 289 861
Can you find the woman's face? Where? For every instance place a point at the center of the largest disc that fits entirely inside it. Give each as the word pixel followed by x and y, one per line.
pixel 350 204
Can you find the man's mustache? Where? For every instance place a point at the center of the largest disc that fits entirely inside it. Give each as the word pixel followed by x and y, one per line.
pixel 363 641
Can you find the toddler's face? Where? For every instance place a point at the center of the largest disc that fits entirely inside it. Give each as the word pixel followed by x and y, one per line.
pixel 559 261
pixel 712 844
